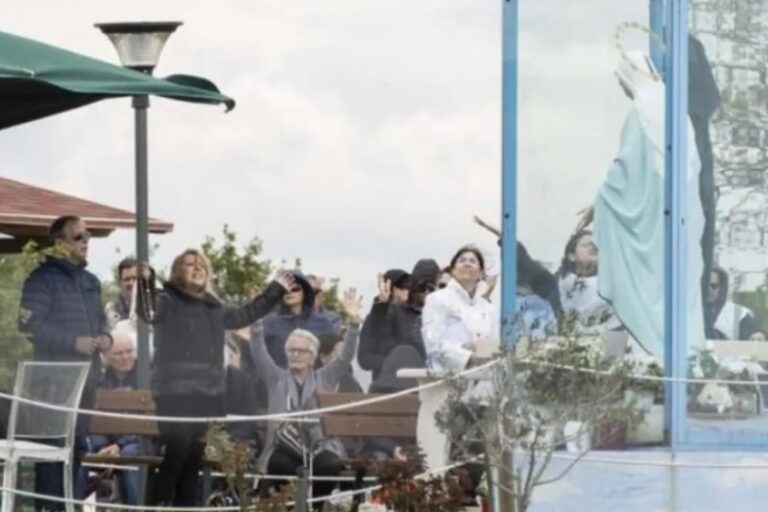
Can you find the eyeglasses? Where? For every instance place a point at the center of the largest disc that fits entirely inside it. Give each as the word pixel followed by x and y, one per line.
pixel 298 351
pixel 714 286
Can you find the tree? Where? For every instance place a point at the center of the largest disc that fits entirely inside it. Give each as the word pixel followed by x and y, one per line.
pixel 14 345
pixel 237 275
pixel 517 423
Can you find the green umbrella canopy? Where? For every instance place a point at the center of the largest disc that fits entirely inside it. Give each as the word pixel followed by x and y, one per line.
pixel 39 80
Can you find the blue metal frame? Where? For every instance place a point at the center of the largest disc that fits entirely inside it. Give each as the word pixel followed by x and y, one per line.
pixel 656 23
pixel 670 18
pixel 509 171
pixel 676 201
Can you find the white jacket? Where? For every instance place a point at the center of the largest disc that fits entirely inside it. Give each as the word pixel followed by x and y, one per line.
pixel 451 319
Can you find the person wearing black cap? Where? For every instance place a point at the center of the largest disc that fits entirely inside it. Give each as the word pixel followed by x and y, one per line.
pixel 396 282
pixel 389 324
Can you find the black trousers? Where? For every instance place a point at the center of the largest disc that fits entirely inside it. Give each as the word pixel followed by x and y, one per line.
pixel 325 463
pixel 177 482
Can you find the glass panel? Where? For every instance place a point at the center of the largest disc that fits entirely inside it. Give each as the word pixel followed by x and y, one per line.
pixel 729 44
pixel 54 383
pixel 590 141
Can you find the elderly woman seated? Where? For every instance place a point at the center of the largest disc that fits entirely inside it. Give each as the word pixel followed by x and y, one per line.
pixel 289 445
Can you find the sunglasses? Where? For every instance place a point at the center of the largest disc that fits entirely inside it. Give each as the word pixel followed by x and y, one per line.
pixel 424 287
pixel 295 288
pixel 82 237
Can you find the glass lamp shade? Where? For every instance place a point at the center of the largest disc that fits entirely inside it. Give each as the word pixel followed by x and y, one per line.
pixel 139 44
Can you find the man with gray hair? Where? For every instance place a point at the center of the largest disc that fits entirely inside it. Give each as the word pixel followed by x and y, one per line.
pixel 120 373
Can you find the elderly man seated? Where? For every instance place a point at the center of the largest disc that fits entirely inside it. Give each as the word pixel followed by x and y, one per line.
pixel 120 373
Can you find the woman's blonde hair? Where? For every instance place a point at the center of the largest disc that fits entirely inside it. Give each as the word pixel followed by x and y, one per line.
pixel 177 269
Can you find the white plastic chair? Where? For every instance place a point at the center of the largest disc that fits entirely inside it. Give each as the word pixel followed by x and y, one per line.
pixel 55 383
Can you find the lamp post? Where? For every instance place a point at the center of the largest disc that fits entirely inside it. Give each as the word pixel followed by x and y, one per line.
pixel 139 46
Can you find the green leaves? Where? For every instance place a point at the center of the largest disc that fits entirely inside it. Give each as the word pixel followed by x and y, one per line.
pixel 238 274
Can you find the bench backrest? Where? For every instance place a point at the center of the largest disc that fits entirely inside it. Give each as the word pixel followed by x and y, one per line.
pixel 137 401
pixel 390 418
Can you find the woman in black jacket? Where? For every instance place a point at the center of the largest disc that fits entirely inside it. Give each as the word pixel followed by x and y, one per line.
pixel 188 372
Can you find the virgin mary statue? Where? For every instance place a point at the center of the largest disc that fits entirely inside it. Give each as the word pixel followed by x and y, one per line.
pixel 629 215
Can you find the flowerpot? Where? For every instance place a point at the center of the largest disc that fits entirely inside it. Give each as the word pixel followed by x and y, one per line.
pixel 651 429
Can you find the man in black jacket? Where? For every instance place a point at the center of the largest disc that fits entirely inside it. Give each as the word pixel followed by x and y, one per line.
pixel 389 325
pixel 62 314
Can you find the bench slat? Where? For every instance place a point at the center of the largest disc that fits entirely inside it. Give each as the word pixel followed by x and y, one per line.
pixel 125 400
pixel 120 427
pixel 407 405
pixel 124 460
pixel 359 425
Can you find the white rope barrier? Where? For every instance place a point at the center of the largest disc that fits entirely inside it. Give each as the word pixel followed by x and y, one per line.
pixel 302 416
pixel 355 492
pixel 121 506
pixel 297 416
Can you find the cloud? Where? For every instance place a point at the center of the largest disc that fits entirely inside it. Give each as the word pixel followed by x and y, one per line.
pixel 366 133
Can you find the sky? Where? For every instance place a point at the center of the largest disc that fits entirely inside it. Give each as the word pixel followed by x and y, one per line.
pixel 366 134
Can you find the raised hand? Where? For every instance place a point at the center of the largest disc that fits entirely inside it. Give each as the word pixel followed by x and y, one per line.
pixel 587 216
pixel 491 282
pixel 385 288
pixel 286 280
pixel 493 229
pixel 353 304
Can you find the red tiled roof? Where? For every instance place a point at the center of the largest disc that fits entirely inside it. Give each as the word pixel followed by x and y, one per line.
pixel 29 210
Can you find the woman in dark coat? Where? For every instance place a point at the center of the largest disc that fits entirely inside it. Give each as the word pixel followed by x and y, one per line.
pixel 188 372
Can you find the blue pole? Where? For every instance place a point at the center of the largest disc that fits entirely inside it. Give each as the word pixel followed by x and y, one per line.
pixel 675 200
pixel 509 171
pixel 505 500
pixel 656 23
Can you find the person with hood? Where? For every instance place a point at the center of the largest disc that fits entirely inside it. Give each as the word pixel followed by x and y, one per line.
pixel 389 325
pixel 188 369
pixel 730 320
pixel 62 314
pixel 319 288
pixel 297 311
pixel 629 215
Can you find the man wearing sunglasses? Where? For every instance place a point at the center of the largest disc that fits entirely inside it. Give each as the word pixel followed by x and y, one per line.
pixel 62 314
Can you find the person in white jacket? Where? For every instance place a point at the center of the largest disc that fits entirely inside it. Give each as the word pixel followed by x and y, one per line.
pixel 457 317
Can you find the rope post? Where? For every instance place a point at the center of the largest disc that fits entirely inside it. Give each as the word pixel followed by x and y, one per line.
pixel 302 490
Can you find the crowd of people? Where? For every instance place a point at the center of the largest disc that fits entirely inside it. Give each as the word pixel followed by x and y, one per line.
pixel 276 352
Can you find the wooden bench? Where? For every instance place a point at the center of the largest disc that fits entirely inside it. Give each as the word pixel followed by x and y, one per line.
pixel 390 418
pixel 124 401
pixel 393 418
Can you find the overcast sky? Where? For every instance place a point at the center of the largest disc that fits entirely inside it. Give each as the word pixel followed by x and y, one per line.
pixel 366 135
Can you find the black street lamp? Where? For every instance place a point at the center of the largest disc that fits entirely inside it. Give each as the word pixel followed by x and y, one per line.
pixel 139 46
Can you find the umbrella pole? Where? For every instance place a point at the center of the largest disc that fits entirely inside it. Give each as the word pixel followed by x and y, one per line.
pixel 140 105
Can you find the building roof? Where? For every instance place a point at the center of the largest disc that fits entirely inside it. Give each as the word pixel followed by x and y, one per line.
pixel 26 212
